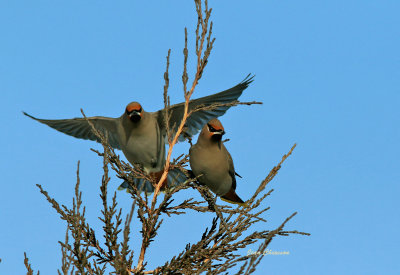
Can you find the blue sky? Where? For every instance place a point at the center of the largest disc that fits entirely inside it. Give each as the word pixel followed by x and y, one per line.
pixel 328 73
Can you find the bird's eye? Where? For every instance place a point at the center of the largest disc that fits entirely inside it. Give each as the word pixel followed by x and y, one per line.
pixel 211 129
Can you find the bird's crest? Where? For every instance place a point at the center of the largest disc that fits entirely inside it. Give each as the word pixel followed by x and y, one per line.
pixel 134 106
pixel 215 124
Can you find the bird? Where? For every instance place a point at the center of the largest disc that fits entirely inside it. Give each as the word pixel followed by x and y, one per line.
pixel 212 164
pixel 141 135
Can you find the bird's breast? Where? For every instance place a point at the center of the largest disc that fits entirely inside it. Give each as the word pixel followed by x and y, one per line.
pixel 213 166
pixel 145 147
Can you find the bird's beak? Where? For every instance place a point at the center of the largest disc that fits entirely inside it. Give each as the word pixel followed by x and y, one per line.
pixel 219 133
pixel 134 115
pixel 217 136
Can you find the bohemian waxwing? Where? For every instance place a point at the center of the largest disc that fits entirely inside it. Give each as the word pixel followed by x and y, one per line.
pixel 141 135
pixel 212 163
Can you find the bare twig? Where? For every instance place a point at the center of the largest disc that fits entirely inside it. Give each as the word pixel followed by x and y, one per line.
pixel 28 265
pixel 217 249
pixel 202 58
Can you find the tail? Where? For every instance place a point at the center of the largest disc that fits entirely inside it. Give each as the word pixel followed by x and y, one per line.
pixel 141 184
pixel 232 197
pixel 175 177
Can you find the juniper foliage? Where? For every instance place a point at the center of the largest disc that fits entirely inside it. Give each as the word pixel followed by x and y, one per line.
pixel 216 251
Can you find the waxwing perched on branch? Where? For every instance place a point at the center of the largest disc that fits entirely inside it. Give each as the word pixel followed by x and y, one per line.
pixel 141 135
pixel 212 163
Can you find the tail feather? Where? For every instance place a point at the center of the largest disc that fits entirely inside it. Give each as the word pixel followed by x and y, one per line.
pixel 141 184
pixel 175 177
pixel 232 197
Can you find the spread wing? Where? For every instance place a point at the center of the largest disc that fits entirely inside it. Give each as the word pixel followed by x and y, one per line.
pixel 80 128
pixel 198 119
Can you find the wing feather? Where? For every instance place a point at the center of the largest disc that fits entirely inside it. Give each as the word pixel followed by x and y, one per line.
pixel 231 170
pixel 80 128
pixel 198 119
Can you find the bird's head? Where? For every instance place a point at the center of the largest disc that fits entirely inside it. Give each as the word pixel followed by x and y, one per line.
pixel 134 111
pixel 215 130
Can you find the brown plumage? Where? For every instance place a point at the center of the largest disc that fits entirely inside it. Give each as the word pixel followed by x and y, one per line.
pixel 140 134
pixel 212 163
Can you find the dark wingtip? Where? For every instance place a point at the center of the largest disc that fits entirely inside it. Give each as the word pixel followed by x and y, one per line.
pixel 247 80
pixel 28 115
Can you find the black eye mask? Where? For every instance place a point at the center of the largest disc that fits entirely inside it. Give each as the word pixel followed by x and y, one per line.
pixel 211 129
